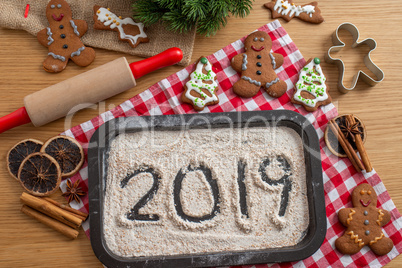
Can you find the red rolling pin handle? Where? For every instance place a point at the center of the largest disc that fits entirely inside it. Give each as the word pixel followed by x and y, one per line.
pixel 15 119
pixel 166 58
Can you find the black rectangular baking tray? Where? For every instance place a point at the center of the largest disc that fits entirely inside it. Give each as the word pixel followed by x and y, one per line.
pixel 97 167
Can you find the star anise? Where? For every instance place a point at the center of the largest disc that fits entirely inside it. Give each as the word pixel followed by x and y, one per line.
pixel 74 191
pixel 350 130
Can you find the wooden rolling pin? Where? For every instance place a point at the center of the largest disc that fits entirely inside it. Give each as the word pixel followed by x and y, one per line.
pixel 85 89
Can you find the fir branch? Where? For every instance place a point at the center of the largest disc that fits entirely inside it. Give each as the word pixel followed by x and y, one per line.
pixel 176 21
pixel 219 8
pixel 148 12
pixel 170 4
pixel 195 9
pixel 182 15
pixel 241 8
pixel 210 26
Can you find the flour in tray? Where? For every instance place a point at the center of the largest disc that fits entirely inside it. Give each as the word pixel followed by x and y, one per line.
pixel 205 190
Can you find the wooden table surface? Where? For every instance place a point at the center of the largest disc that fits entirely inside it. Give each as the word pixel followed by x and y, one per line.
pixel 25 242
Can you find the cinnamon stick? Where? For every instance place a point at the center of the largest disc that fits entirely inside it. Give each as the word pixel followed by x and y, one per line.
pixel 52 223
pixel 83 216
pixel 360 146
pixel 350 152
pixel 51 210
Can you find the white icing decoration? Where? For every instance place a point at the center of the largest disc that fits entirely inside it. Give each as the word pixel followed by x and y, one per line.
pixel 244 65
pixel 318 91
pixel 285 8
pixel 105 19
pixel 52 6
pixel 74 27
pixel 58 6
pixel 276 80
pixel 273 62
pixel 196 83
pixel 251 80
pixel 55 56
pixel 78 52
pixel 49 33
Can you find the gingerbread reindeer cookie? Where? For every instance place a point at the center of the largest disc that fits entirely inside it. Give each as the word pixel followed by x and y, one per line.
pixel 257 67
pixel 62 37
pixel 363 223
pixel 129 30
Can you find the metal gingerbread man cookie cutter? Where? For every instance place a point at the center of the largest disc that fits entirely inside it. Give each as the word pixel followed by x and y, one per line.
pixel 338 45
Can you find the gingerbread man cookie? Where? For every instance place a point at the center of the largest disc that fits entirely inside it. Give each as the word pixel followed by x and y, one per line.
pixel 62 37
pixel 257 67
pixel 364 222
pixel 129 30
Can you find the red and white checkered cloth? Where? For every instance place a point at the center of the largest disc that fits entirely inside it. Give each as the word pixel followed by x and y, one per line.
pixel 338 173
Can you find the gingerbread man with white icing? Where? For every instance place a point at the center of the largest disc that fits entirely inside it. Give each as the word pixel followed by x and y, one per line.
pixel 364 222
pixel 62 37
pixel 257 67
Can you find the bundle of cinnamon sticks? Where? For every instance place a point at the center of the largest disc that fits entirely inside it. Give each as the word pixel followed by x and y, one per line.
pixel 347 147
pixel 57 216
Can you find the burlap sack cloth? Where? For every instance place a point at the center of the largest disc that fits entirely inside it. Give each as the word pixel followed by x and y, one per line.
pixel 12 16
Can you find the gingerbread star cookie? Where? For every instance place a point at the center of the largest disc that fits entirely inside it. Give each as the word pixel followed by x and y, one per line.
pixel 288 10
pixel 129 30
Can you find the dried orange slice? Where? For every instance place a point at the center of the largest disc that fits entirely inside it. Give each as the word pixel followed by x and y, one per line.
pixel 40 174
pixel 67 152
pixel 18 153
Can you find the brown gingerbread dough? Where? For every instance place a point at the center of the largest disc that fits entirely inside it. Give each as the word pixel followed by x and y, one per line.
pixel 62 37
pixel 257 67
pixel 364 222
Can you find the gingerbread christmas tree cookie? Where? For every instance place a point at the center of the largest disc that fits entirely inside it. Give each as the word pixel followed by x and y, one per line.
pixel 311 89
pixel 62 37
pixel 363 223
pixel 200 90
